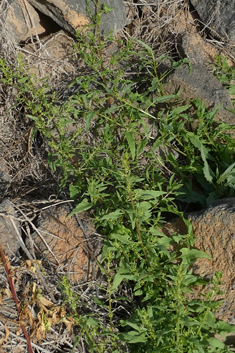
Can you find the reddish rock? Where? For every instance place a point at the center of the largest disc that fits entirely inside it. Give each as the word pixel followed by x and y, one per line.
pixel 21 22
pixel 71 15
pixel 214 229
pixel 61 240
pixel 197 50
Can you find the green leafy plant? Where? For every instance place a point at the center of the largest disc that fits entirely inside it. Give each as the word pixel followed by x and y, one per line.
pixel 112 164
pixel 225 73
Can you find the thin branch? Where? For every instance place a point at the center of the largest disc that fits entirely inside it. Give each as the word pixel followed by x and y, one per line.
pixel 15 300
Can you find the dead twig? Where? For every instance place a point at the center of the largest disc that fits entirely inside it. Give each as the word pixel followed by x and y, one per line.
pixel 15 300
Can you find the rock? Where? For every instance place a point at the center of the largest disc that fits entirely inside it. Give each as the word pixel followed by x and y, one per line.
pixel 197 50
pixel 71 15
pixel 218 16
pixel 8 232
pixel 61 240
pixel 57 50
pixel 5 178
pixel 201 84
pixel 214 229
pixel 20 22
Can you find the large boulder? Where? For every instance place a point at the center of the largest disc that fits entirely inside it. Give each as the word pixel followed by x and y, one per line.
pixel 196 49
pixel 214 230
pixel 71 15
pixel 18 22
pixel 69 243
pixel 218 16
pixel 201 84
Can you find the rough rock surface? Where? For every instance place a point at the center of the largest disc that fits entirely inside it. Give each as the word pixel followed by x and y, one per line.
pixel 20 21
pixel 201 84
pixel 5 178
pixel 9 227
pixel 196 49
pixel 58 51
pixel 218 16
pixel 214 229
pixel 62 241
pixel 71 14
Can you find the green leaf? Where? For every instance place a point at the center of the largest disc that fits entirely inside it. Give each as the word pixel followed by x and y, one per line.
pixel 112 215
pixel 73 191
pixel 112 109
pixel 82 206
pixel 207 172
pixel 164 98
pixel 195 140
pixel 131 143
pixel 196 343
pixel 89 118
pixel 147 47
pixel 123 238
pixel 225 174
pixel 141 145
pixel 223 326
pixel 23 79
pixel 91 322
pixel 215 343
pixel 231 90
pixel 179 63
pixel 119 277
pixel 189 255
pixel 35 118
pixel 210 320
pixel 134 337
pixel 149 194
pixel 179 110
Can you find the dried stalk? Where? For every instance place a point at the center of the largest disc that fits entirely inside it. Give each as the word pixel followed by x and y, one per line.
pixel 15 300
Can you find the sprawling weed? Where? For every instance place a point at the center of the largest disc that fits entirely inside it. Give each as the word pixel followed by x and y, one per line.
pixel 130 177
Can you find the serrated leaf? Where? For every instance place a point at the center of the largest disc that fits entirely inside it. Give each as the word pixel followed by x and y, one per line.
pixel 210 319
pixel 89 118
pixel 225 174
pixel 163 98
pixel 123 238
pixel 112 109
pixel 149 194
pixel 131 143
pixel 179 63
pixel 196 344
pixel 135 337
pixel 119 277
pixel 207 172
pixel 215 343
pixel 23 79
pixel 231 90
pixel 82 206
pixel 141 145
pixel 112 215
pixel 91 322
pixel 189 255
pixel 35 118
pixel 223 326
pixel 179 110
pixel 73 191
pixel 195 140
pixel 147 47
pixel 84 99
